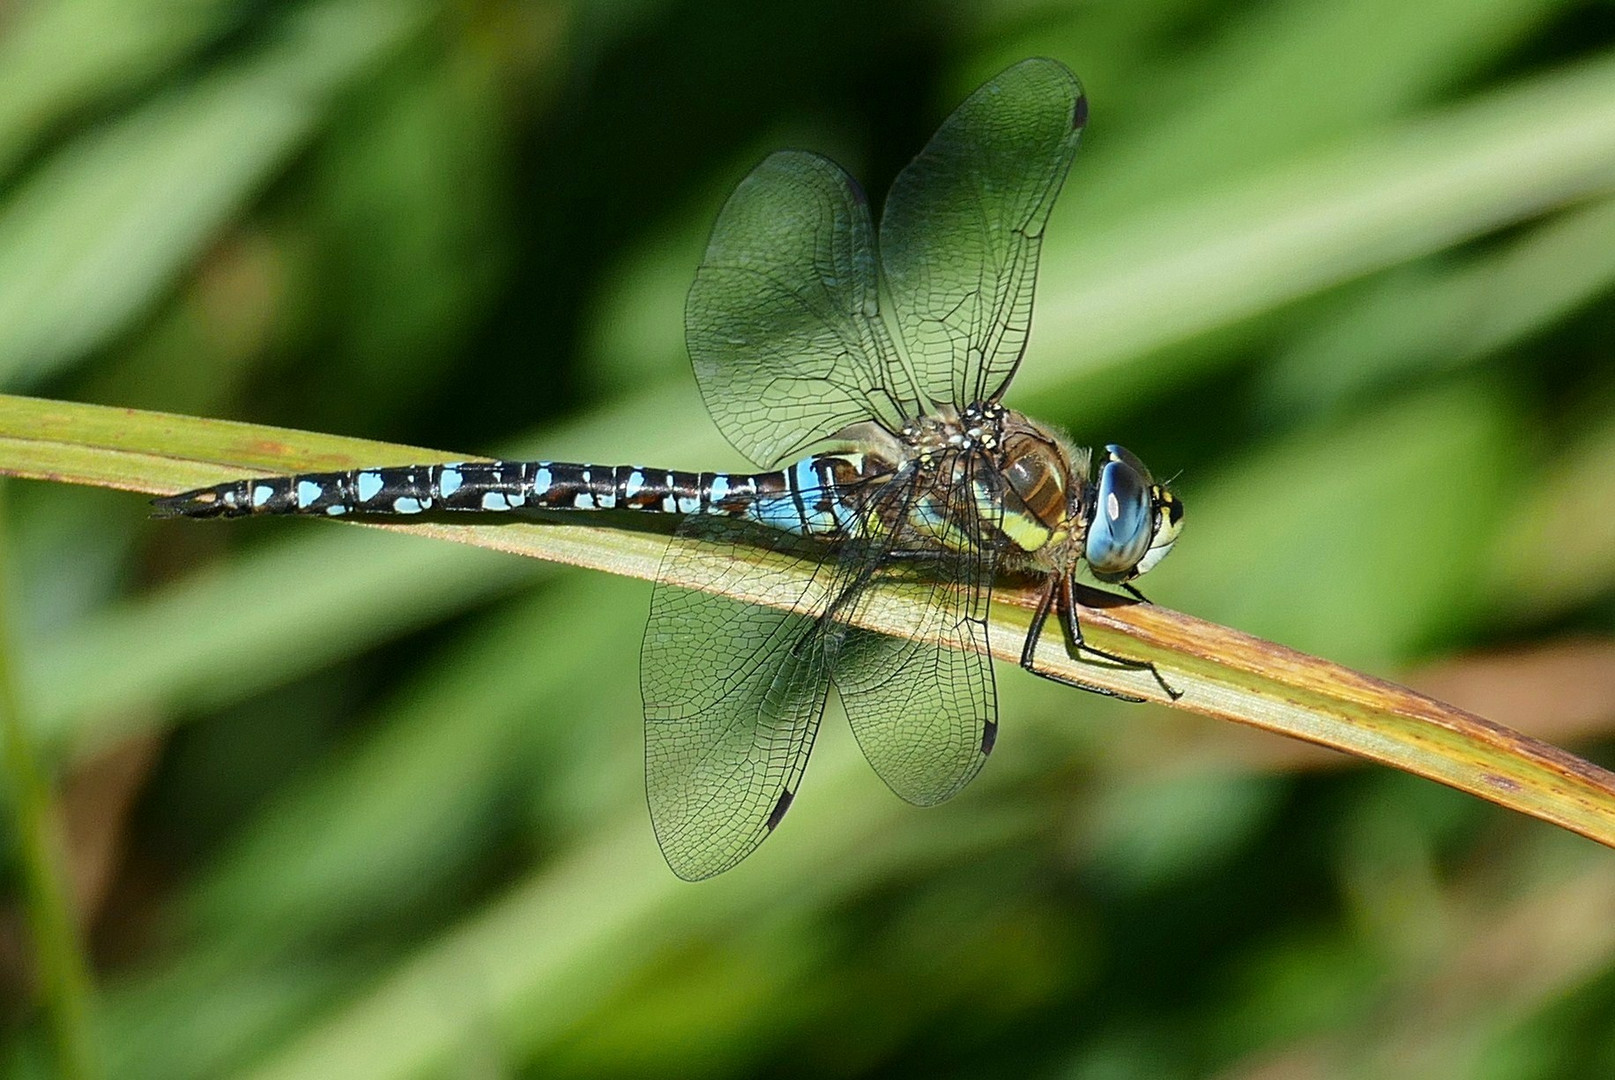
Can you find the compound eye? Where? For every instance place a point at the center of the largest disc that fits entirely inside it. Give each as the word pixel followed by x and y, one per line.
pixel 1120 532
pixel 1126 457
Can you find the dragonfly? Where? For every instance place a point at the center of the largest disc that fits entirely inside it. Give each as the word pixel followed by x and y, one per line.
pixel 862 372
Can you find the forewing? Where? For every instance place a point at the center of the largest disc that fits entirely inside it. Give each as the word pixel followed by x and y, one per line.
pixel 924 707
pixel 733 690
pixel 783 322
pixel 963 225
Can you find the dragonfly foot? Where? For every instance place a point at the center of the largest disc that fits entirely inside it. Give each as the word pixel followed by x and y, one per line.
pixel 1136 595
pixel 1133 665
pixel 1066 680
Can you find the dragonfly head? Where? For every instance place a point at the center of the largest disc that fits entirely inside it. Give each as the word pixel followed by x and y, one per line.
pixel 1135 521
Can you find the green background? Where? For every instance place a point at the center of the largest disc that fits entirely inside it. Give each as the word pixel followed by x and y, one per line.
pixel 352 804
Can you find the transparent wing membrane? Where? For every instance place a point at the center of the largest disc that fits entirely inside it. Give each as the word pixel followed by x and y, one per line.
pixel 733 690
pixel 924 707
pixel 783 322
pixel 963 225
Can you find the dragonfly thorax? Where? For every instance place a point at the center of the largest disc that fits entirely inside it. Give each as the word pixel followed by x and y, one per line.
pixel 1117 518
pixel 1024 477
pixel 1043 486
pixel 950 433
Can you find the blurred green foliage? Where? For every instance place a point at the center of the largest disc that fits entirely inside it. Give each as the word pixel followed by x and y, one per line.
pixel 1348 267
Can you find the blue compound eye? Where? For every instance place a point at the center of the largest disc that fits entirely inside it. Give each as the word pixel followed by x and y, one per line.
pixel 1120 532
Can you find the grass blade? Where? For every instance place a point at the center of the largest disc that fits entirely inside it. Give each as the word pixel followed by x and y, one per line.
pixel 1221 672
pixel 62 972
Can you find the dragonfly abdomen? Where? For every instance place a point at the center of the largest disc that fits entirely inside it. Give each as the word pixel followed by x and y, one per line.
pixel 801 499
pixel 391 491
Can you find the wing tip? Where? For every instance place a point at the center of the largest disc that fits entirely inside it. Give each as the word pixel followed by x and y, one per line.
pixel 701 864
pixel 1057 70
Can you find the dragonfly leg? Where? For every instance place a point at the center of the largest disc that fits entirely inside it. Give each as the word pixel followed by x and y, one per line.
pixel 1135 594
pixel 1073 627
pixel 1035 631
pixel 1045 606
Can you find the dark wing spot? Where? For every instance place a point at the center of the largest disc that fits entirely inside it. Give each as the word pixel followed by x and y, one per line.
pixel 1079 114
pixel 780 807
pixel 989 736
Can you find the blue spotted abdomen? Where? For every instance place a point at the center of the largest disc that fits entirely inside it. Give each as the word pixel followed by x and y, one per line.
pixel 807 498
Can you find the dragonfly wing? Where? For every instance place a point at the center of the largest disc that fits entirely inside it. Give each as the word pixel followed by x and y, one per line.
pixel 963 225
pixel 783 322
pixel 923 706
pixel 733 690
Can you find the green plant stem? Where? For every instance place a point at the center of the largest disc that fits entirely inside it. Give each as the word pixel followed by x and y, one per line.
pixel 63 975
